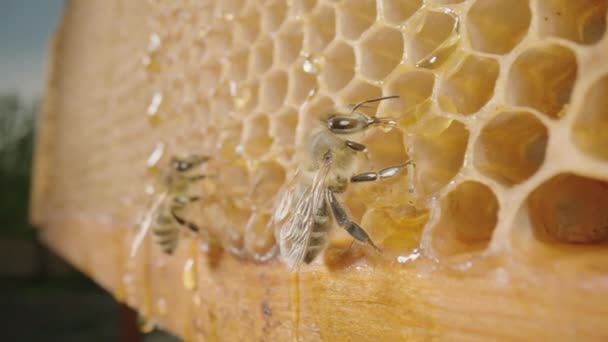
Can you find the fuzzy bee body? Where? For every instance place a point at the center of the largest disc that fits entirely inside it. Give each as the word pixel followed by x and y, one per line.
pixel 165 229
pixel 307 209
pixel 162 218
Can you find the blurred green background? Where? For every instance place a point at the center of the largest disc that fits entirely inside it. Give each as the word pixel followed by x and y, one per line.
pixel 42 298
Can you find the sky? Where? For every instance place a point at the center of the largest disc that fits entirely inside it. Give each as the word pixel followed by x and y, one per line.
pixel 25 29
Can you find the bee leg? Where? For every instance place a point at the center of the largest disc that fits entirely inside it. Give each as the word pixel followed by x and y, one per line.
pixel 382 174
pixel 344 221
pixel 190 225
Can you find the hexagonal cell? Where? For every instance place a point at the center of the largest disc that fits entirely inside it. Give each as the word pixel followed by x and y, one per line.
pixel 380 52
pixel 222 100
pixel 273 90
pixel 244 96
pixel 581 21
pixel 397 233
pixel 233 221
pixel 261 56
pixel 354 17
pixel 339 66
pixel 283 127
pixel 228 8
pixel 289 43
pixel 301 85
pixel 469 214
pixel 469 86
pixel 236 65
pixel 259 238
pixel 248 25
pixel 218 40
pixel 497 26
pixel 256 137
pixel 203 11
pixel 229 139
pixel 438 150
pixel 299 8
pixel 209 76
pixel 413 88
pixel 591 126
pixel 273 15
pixel 570 209
pixel 384 149
pixel 359 90
pixel 511 147
pixel 434 40
pixel 266 179
pixel 319 30
pixel 397 11
pixel 542 78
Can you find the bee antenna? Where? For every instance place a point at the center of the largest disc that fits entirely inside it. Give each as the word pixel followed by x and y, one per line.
pixel 358 105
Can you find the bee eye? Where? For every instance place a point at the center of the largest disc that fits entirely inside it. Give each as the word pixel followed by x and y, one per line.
pixel 180 165
pixel 342 124
pixel 345 124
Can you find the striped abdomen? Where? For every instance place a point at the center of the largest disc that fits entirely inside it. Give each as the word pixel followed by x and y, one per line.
pixel 165 231
pixel 318 235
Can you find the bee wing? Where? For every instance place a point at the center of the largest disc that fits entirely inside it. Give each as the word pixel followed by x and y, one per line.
pixel 286 200
pixel 146 223
pixel 301 202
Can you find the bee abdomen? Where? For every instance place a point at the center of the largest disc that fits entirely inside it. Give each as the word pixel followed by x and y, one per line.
pixel 166 236
pixel 318 238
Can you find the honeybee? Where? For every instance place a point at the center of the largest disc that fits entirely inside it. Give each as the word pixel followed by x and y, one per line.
pixel 163 216
pixel 303 215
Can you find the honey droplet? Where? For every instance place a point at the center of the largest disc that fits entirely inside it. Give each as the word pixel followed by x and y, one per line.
pixel 153 107
pixel 151 63
pixel 196 299
pixel 227 16
pixel 441 53
pixel 154 42
pixel 313 63
pixel 411 178
pixel 415 254
pixel 189 274
pixel 150 189
pixel 156 155
pixel 161 306
pixel 243 96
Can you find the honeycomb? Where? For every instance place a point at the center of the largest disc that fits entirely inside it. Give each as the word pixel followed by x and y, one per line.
pixel 502 107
